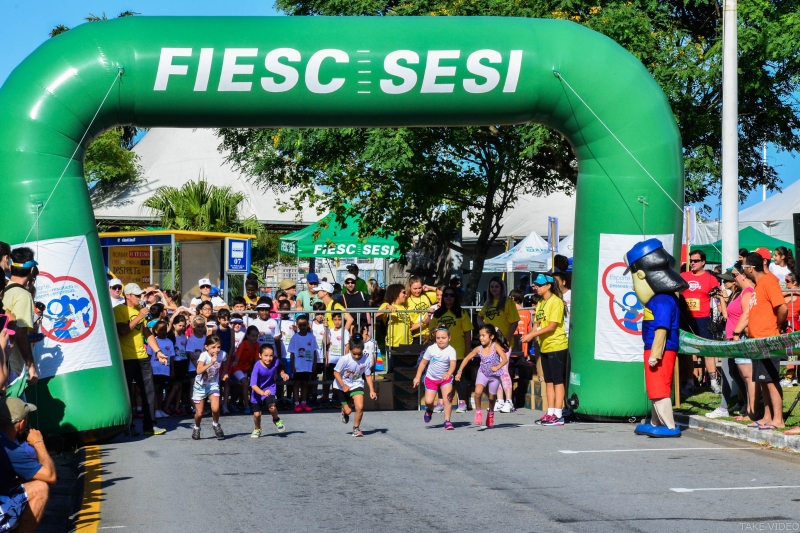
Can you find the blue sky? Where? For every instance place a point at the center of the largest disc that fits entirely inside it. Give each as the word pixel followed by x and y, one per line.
pixel 24 25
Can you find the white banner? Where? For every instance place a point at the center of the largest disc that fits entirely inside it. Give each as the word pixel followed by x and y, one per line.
pixel 73 328
pixel 618 335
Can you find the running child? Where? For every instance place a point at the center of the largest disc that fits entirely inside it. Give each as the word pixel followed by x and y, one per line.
pixel 263 386
pixel 161 371
pixel 302 352
pixel 206 385
pixel 348 383
pixel 241 363
pixel 492 352
pixel 439 375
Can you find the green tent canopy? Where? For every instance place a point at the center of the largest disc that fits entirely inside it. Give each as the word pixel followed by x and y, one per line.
pixel 749 238
pixel 327 238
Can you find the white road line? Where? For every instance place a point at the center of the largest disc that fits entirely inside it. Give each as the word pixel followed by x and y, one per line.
pixel 739 488
pixel 112 527
pixel 651 450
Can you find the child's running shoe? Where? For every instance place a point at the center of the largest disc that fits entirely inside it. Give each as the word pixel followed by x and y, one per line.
pixel 478 417
pixel 439 408
pixel 255 434
pixel 218 432
pixel 297 408
pixel 427 416
pixel 554 421
pixel 545 418
pixel 490 419
pixel 449 425
pixel 279 425
pixel 196 434
pixel 498 404
pixel 507 407
pixel 155 431
pixel 160 414
pixel 462 407
pixel 307 408
pixel 357 432
pixel 345 417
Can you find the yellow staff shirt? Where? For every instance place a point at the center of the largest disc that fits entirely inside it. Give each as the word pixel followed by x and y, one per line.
pixel 551 310
pixel 399 331
pixel 457 326
pixel 500 318
pixel 423 302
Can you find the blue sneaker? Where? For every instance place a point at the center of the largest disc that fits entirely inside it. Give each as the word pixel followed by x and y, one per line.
pixel 427 417
pixel 247 410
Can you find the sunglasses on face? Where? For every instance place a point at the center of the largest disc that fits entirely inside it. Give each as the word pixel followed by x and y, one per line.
pixel 349 282
pixel 448 295
pixel 205 286
pixel 695 260
pixel 117 288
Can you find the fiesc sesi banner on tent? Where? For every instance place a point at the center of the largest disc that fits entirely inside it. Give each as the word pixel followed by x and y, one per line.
pixel 618 334
pixel 74 336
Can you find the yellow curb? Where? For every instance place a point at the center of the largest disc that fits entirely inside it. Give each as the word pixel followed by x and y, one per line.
pixel 89 515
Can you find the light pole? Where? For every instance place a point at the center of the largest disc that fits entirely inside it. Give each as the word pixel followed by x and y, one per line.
pixel 730 133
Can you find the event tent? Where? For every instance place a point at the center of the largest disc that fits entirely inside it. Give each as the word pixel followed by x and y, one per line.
pixel 749 238
pixel 529 215
pixel 518 257
pixel 327 238
pixel 543 262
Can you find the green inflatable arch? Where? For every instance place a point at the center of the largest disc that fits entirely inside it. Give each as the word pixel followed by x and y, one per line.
pixel 330 72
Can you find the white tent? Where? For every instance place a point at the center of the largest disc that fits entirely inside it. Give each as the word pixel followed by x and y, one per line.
pixel 517 258
pixel 530 213
pixel 773 216
pixel 173 156
pixel 543 262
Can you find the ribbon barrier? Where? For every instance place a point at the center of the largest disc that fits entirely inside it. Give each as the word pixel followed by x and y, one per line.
pixel 206 72
pixel 780 346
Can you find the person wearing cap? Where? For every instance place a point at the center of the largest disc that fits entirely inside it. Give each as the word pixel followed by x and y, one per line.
pixel 325 293
pixel 24 481
pixel 352 298
pixel 307 298
pixel 702 285
pixel 768 313
pixel 18 301
pixel 115 289
pixel 205 296
pixel 133 333
pixel 656 284
pixel 548 326
pixel 290 286
pixel 361 285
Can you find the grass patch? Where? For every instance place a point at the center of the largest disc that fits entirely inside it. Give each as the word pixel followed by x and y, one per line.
pixel 706 401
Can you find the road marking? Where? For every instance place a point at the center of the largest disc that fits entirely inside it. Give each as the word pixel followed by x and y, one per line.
pixel 89 516
pixel 739 488
pixel 651 450
pixel 112 527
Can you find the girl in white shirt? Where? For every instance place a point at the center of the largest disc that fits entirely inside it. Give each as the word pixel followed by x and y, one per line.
pixel 440 360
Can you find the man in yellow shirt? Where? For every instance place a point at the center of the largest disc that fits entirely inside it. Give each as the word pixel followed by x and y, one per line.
pixel 133 332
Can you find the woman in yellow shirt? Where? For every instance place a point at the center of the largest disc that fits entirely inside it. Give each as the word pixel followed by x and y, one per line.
pixel 499 310
pixel 548 325
pixel 419 297
pixel 401 327
pixel 458 323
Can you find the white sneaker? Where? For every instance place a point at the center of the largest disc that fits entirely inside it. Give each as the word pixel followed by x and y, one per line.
pixel 719 412
pixel 794 382
pixel 462 407
pixel 439 407
pixel 161 414
pixel 472 403
pixel 786 383
pixel 498 405
pixel 507 407
pixel 715 386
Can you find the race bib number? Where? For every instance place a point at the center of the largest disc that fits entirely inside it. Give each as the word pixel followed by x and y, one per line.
pixel 693 304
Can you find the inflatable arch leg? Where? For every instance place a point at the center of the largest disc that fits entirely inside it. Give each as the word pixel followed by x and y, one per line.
pixel 331 72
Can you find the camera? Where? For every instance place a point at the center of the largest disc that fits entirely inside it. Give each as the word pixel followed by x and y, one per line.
pixel 714 292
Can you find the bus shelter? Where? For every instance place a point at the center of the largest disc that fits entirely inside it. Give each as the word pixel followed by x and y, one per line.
pixel 178 259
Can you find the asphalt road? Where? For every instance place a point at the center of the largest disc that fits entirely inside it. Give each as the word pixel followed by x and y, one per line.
pixel 405 476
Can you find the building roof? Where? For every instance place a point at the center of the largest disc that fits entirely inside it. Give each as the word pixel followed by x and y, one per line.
pixel 173 156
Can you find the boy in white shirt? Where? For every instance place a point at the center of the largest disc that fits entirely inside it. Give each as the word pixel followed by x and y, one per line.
pixel 303 351
pixel 338 339
pixel 267 327
pixel 348 383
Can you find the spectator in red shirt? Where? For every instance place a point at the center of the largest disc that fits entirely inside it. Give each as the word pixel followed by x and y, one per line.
pixel 702 284
pixel 768 314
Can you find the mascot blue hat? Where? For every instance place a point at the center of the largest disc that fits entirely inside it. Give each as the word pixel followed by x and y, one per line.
pixel 640 250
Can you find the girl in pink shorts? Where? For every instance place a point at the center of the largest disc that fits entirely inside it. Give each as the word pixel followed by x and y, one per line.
pixel 492 352
pixel 440 359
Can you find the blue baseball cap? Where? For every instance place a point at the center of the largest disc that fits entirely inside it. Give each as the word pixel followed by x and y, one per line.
pixel 541 279
pixel 312 278
pixel 640 250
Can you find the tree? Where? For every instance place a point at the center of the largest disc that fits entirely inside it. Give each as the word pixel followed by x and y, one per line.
pixel 109 163
pixel 200 206
pixel 389 175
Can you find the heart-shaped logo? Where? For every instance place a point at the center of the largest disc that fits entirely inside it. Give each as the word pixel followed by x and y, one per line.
pixel 70 312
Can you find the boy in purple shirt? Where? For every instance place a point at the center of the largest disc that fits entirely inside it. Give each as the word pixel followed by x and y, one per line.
pixel 262 383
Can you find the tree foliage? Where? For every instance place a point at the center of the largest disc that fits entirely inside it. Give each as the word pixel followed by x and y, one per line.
pixel 417 180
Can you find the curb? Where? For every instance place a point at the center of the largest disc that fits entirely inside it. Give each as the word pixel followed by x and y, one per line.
pixel 738 431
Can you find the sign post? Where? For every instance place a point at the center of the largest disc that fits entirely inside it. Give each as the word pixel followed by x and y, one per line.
pixel 552 240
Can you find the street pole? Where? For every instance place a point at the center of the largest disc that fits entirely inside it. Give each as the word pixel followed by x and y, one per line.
pixel 730 146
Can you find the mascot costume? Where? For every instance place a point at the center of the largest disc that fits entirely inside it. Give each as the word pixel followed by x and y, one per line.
pixel 656 284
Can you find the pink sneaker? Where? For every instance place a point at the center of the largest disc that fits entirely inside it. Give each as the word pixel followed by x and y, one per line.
pixel 478 417
pixel 298 409
pixel 307 408
pixel 546 418
pixel 490 419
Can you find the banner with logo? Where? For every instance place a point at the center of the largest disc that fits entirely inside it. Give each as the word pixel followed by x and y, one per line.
pixel 74 334
pixel 778 346
pixel 618 335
